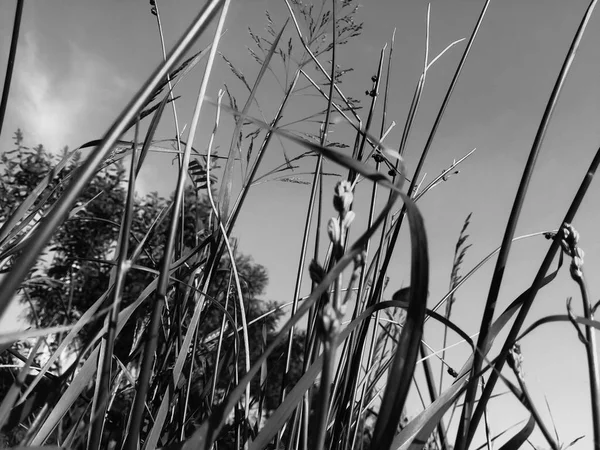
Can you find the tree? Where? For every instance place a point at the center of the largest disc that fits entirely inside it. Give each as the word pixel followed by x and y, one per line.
pixel 75 270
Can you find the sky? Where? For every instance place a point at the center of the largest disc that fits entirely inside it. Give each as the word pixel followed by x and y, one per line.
pixel 80 61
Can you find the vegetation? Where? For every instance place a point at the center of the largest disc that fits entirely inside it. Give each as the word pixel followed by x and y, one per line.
pixel 148 330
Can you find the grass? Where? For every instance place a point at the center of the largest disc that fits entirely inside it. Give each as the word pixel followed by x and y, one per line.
pixel 359 349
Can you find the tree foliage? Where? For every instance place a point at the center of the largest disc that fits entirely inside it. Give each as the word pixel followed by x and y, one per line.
pixel 76 268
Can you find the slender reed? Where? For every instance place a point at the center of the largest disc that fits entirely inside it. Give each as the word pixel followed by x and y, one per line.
pixel 12 56
pixel 138 408
pixel 464 426
pixel 531 293
pixel 569 242
pixel 513 219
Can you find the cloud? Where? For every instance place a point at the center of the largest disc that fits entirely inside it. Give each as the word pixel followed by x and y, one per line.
pixel 64 101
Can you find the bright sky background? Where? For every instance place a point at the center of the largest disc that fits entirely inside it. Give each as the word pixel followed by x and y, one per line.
pixel 80 61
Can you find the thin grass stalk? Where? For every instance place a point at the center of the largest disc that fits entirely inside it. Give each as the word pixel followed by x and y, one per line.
pixel 207 431
pixel 532 292
pixel 9 285
pixel 316 183
pixel 137 412
pixel 230 251
pixel 180 244
pixel 170 84
pixel 227 180
pixel 123 264
pixel 373 93
pixel 433 392
pixel 316 61
pixel 316 192
pixel 343 376
pixel 242 197
pixel 408 125
pixel 592 357
pixel 362 280
pixel 497 277
pixel 12 56
pixel 428 145
pixel 525 398
pixel 188 388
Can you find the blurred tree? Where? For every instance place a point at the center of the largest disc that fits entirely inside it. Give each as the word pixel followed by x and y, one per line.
pixel 75 269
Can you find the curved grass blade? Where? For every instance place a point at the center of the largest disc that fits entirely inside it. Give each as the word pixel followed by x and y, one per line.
pixel 521 437
pixel 405 358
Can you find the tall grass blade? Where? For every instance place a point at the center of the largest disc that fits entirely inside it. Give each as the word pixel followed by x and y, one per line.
pixel 537 283
pixel 12 56
pixel 511 226
pixel 415 434
pixel 138 409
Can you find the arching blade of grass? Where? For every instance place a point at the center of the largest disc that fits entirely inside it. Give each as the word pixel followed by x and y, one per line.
pixel 9 285
pixel 559 318
pixel 521 437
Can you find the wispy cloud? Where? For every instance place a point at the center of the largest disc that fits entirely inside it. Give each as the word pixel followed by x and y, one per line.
pixel 64 102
